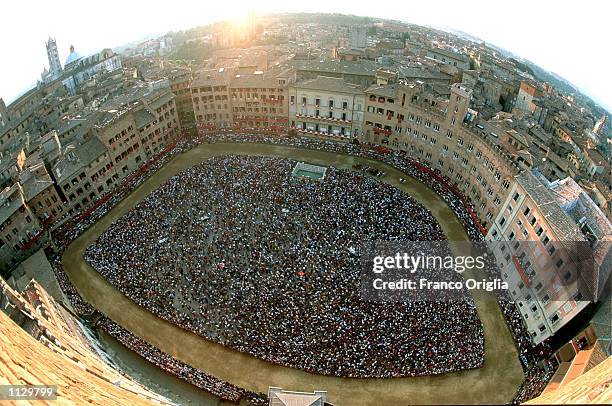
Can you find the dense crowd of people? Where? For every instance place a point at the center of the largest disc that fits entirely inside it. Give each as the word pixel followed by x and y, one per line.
pixel 397 159
pixel 217 387
pixel 534 359
pixel 536 376
pixel 72 229
pixel 536 379
pixel 240 251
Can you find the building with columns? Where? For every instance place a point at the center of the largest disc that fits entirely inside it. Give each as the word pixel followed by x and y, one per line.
pixel 327 106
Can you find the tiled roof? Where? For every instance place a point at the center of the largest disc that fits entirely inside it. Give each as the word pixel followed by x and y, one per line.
pixel 143 117
pixel 558 220
pixel 33 183
pixel 361 67
pixel 574 200
pixel 70 362
pixel 267 79
pixel 329 84
pixel 211 77
pixel 594 387
pixel 7 211
pixel 414 72
pixel 383 90
pixel 81 156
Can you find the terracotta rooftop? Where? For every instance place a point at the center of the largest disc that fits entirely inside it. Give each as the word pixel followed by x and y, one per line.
pixel 23 360
pixel 594 387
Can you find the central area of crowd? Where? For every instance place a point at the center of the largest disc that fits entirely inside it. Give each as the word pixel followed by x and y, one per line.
pixel 241 252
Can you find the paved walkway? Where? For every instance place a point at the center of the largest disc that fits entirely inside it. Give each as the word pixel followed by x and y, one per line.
pixel 496 382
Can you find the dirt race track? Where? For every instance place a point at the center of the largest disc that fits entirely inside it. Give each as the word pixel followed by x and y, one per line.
pixel 496 382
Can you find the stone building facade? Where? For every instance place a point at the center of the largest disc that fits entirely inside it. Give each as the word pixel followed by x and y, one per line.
pixel 20 228
pixel 211 99
pixel 327 106
pixel 535 240
pixel 537 246
pixel 259 100
pixel 437 133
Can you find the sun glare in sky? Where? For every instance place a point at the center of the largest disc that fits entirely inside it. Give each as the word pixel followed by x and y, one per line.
pixel 566 37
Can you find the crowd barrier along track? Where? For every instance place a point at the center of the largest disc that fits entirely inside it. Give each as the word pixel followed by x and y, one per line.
pixel 455 191
pixel 127 187
pixel 140 170
pixel 382 150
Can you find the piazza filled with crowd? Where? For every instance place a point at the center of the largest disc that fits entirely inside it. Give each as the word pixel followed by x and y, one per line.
pixel 243 253
pixel 533 359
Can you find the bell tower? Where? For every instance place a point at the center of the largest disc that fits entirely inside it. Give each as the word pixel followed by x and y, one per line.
pixel 55 67
pixel 3 113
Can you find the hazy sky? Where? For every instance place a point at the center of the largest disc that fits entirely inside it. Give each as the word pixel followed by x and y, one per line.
pixel 572 38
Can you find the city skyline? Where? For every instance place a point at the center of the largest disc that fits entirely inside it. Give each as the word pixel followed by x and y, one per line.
pixel 479 21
